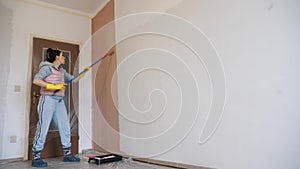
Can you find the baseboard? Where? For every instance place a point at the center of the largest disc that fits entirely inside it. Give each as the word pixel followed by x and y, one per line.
pixel 151 161
pixel 169 164
pixel 10 160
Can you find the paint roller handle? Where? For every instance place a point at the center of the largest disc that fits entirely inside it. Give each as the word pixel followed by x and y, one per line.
pixel 82 73
pixel 97 61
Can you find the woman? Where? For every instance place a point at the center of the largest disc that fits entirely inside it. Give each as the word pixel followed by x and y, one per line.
pixel 51 78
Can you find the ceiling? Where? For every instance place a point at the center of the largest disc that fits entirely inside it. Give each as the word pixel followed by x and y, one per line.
pixel 89 7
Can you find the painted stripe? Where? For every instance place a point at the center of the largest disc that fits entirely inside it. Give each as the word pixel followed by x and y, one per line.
pixel 40 120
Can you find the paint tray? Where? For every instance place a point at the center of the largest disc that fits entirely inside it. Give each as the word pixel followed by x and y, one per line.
pixel 104 159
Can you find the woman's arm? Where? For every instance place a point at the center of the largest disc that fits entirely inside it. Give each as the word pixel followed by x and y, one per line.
pixel 69 77
pixel 39 82
pixel 42 74
pixel 48 86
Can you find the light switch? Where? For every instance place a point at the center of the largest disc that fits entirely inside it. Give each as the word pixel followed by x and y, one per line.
pixel 17 88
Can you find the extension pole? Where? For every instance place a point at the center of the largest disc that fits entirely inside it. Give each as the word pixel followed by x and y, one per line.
pixel 93 64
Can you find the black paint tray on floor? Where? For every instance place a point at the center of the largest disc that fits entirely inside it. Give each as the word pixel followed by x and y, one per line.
pixel 104 158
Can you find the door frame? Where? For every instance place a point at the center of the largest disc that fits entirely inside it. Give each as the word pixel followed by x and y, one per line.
pixel 29 83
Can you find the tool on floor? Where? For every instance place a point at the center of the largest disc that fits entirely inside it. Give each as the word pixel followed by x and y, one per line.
pixel 104 159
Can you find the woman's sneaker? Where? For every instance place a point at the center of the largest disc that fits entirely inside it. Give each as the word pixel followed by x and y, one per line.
pixel 71 158
pixel 39 163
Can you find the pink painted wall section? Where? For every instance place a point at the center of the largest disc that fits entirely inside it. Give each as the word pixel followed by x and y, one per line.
pixel 105 118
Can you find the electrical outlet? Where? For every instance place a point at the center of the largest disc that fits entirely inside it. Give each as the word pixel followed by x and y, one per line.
pixel 13 139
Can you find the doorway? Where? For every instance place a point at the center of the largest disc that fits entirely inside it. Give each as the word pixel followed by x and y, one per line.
pixel 53 147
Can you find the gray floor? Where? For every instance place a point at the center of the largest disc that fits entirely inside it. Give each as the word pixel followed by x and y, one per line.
pixel 56 163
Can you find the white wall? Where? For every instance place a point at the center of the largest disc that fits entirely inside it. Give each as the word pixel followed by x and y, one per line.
pixel 6 30
pixel 257 42
pixel 18 21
